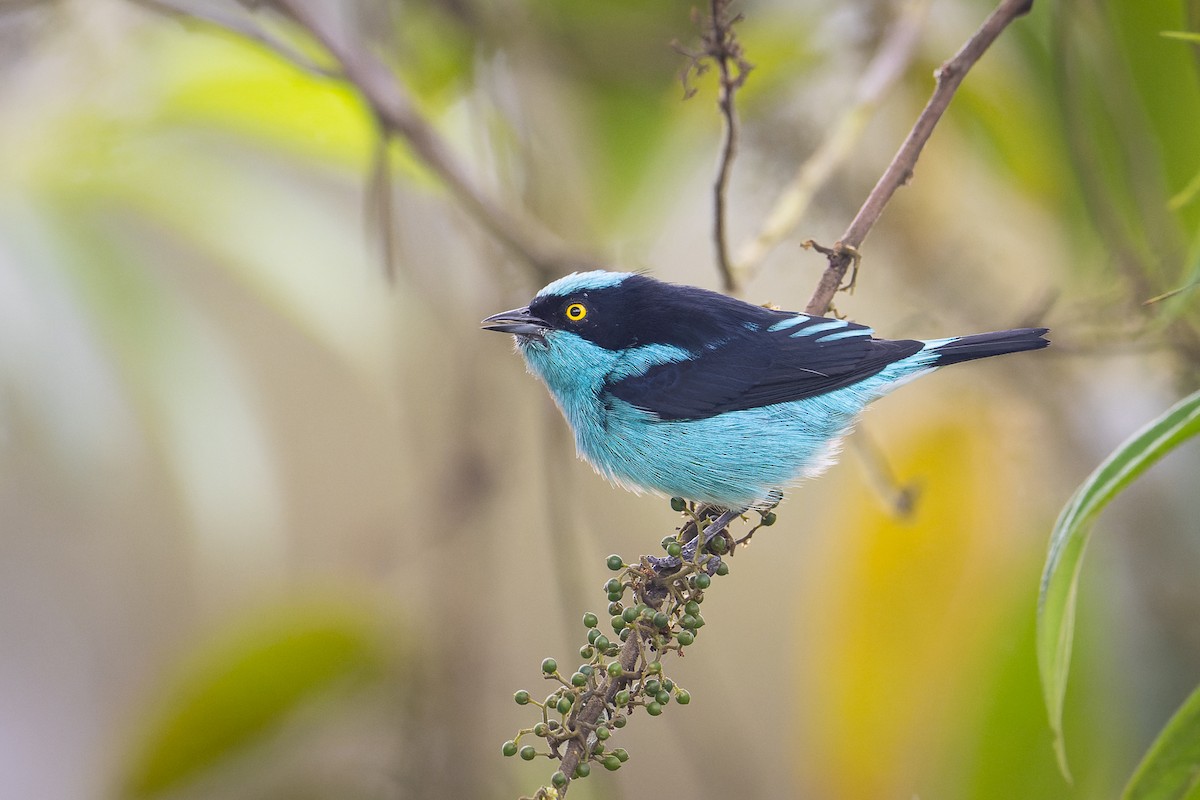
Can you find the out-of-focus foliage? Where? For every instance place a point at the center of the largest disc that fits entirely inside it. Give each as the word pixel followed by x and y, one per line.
pixel 1169 769
pixel 239 691
pixel 212 401
pixel 1060 578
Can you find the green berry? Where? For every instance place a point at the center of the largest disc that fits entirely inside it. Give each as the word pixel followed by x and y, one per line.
pixel 528 753
pixel 678 504
pixel 625 635
pixel 702 581
pixel 586 669
pixel 618 623
pixel 685 638
pixel 603 733
pixel 699 622
pixel 661 620
pixel 629 614
pixel 688 621
pixel 615 562
pixel 654 668
pixel 652 686
pixel 602 643
pixel 590 620
pixel 612 585
pixel 621 699
pixel 611 763
pixel 722 569
pixel 615 669
pixel 564 704
pixel 582 770
pixel 666 542
pixel 541 729
pixel 718 545
pixel 522 697
pixel 579 679
pixel 549 666
pixel 509 749
pixel 593 635
pixel 683 697
pixel 653 708
pixel 558 779
pixel 622 754
pixel 615 609
pixel 618 720
pixel 663 697
pixel 769 519
pixel 674 549
pixel 614 596
pixel 586 651
pixel 597 748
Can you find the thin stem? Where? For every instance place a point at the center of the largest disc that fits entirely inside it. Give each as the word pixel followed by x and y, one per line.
pixel 949 76
pixel 726 51
pixel 728 151
pixel 396 112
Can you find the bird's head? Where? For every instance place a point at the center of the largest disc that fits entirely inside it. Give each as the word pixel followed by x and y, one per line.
pixel 619 311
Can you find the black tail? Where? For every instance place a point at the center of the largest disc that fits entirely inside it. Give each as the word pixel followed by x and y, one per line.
pixel 982 345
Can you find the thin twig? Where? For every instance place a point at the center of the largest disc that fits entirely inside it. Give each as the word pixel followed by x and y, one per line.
pixel 900 170
pixel 724 48
pixel 380 206
pixel 890 61
pixel 244 27
pixel 521 233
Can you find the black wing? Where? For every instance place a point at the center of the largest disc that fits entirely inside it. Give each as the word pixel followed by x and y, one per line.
pixel 762 367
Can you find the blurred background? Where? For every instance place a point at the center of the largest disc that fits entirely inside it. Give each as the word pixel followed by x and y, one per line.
pixel 273 525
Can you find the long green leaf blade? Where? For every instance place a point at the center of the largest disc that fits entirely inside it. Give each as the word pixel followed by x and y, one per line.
pixel 1170 770
pixel 1060 577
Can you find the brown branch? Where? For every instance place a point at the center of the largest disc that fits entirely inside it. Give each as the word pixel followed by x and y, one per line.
pixel 723 47
pixel 589 715
pixel 890 61
pixel 900 170
pixel 393 108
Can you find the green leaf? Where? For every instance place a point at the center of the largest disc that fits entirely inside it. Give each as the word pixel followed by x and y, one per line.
pixel 1170 769
pixel 1060 577
pixel 241 689
pixel 1185 36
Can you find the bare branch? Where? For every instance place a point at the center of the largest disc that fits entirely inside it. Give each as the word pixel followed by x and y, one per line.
pixel 890 61
pixel 723 47
pixel 900 170
pixel 521 233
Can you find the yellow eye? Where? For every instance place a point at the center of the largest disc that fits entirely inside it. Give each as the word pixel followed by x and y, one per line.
pixel 576 312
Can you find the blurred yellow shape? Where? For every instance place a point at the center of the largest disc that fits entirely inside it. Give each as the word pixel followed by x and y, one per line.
pixel 907 609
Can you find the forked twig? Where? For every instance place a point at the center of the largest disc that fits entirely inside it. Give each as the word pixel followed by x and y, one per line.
pixel 890 61
pixel 900 170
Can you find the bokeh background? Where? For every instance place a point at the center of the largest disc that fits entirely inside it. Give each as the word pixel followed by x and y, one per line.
pixel 273 525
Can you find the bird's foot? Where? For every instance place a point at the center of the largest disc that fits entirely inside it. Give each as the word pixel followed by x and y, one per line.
pixel 716 527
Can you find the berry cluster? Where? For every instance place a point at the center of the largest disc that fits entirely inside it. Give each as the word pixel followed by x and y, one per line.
pixel 652 611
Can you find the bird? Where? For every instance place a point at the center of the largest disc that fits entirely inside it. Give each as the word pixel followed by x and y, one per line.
pixel 685 392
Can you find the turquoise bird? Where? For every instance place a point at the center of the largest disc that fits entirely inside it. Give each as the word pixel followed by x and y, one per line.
pixel 689 393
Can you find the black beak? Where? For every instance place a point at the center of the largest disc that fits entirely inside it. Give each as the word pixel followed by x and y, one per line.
pixel 518 322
